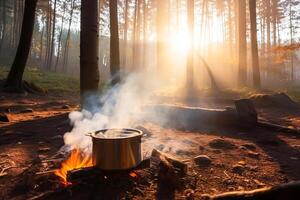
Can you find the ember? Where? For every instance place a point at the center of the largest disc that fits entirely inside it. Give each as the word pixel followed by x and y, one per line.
pixel 133 174
pixel 76 160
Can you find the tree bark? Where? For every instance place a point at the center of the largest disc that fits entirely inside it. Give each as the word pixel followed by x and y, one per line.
pixel 162 35
pixel 242 74
pixel 89 48
pixel 65 55
pixel 14 79
pixel 114 43
pixel 125 33
pixel 3 24
pixel 53 36
pixel 60 36
pixel 190 59
pixel 254 48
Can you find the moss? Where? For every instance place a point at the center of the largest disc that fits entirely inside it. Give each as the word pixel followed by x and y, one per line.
pixel 53 83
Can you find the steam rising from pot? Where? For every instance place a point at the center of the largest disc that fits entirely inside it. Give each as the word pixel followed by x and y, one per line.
pixel 119 107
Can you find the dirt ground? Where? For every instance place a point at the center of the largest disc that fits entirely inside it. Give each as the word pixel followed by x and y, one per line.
pixel 239 159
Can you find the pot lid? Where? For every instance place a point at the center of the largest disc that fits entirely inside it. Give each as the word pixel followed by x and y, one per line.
pixel 117 133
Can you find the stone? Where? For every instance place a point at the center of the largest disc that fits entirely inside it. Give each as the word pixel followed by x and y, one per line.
pixel 4 118
pixel 238 169
pixel 203 161
pixel 221 144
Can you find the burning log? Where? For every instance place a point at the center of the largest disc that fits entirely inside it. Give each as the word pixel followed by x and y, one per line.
pixel 82 174
pixel 287 191
pixel 91 173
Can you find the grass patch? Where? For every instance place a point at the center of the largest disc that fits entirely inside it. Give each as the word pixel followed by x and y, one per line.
pixel 51 82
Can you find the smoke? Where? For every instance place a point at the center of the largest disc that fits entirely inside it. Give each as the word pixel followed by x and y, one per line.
pixel 119 107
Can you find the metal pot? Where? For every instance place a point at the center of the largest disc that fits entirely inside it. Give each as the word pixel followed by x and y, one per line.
pixel 117 153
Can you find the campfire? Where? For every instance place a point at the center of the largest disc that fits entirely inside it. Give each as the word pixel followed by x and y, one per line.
pixel 113 150
pixel 76 160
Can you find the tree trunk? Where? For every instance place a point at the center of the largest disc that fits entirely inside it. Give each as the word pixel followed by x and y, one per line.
pixel 59 37
pixel 125 33
pixel 14 79
pixel 254 48
pixel 41 46
pixel 53 36
pixel 114 43
pixel 89 48
pixel 190 59
pixel 242 75
pixel 3 24
pixel 162 35
pixel 48 38
pixel 291 39
pixel 274 20
pixel 137 39
pixel 145 16
pixel 65 55
pixel 133 59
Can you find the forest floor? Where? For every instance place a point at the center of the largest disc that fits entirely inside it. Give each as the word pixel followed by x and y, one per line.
pixel 240 159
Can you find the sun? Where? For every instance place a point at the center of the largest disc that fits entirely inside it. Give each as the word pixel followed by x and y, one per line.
pixel 180 42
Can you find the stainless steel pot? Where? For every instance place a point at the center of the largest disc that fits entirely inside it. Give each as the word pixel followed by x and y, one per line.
pixel 116 153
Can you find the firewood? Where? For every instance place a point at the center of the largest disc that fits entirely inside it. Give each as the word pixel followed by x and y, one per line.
pixel 169 162
pixel 289 191
pixel 82 174
pixel 90 173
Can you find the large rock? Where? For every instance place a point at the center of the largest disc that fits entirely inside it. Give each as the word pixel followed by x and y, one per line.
pixel 221 144
pixel 203 161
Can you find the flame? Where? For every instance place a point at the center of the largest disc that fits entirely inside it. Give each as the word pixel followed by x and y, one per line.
pixel 133 174
pixel 76 160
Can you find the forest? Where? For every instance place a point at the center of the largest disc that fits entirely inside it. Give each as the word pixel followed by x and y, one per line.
pixel 150 99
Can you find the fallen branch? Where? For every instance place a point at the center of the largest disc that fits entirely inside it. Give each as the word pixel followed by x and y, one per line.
pixel 277 127
pixel 289 191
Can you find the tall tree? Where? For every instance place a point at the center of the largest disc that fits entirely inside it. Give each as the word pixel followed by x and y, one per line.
pixel 162 34
pixel 242 68
pixel 89 48
pixel 60 36
pixel 67 43
pixel 114 42
pixel 50 58
pixel 14 79
pixel 3 23
pixel 190 59
pixel 124 61
pixel 254 48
